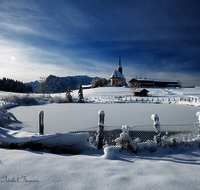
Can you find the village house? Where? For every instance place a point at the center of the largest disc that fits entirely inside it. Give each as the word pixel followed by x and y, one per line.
pixel 145 82
pixel 141 93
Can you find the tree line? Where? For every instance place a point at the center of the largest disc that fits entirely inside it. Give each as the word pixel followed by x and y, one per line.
pixel 10 85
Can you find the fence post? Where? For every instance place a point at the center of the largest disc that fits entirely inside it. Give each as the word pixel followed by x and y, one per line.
pixel 41 122
pixel 100 131
pixel 198 115
pixel 156 125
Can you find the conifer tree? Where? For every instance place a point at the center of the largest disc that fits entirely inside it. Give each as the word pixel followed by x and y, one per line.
pixel 68 95
pixel 80 94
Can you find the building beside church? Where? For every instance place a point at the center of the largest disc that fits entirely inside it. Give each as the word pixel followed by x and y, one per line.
pixel 117 78
pixel 146 82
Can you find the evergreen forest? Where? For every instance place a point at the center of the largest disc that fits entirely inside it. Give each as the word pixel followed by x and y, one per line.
pixel 10 85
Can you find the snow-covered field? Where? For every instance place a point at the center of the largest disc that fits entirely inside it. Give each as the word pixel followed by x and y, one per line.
pixel 25 169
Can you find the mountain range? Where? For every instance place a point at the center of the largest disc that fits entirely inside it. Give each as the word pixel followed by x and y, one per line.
pixel 55 84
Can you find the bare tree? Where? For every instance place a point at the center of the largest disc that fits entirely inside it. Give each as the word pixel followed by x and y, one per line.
pixel 42 85
pixel 99 82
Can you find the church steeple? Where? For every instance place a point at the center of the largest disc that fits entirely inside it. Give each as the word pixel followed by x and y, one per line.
pixel 120 65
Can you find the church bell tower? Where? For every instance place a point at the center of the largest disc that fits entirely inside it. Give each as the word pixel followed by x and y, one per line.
pixel 120 65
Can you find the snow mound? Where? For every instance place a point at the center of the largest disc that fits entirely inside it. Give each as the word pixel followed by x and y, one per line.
pixel 109 154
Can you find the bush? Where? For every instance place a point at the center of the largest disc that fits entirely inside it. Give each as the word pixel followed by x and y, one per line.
pixel 11 98
pixel 27 100
pixel 5 117
pixel 99 82
pixel 58 99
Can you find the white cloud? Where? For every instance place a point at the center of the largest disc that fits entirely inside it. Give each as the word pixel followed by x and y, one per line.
pixel 12 58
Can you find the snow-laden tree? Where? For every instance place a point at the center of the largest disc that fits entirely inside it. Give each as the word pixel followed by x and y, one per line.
pixel 80 94
pixel 99 82
pixel 42 87
pixel 5 117
pixel 124 141
pixel 68 95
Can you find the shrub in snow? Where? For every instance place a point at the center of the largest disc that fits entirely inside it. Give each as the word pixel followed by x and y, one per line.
pixel 29 100
pixel 11 98
pixel 5 117
pixel 147 146
pixel 125 141
pixel 35 146
pixel 58 99
pixel 17 99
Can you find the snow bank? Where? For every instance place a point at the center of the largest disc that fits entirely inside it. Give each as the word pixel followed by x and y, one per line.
pixel 90 171
pixel 59 139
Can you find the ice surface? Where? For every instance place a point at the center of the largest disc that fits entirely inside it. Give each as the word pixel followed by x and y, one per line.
pixel 71 117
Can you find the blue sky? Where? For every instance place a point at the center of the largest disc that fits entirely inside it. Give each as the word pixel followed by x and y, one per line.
pixel 156 39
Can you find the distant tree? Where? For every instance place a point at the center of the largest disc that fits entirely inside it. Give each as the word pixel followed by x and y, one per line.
pixel 68 95
pixel 29 88
pixel 11 85
pixel 99 82
pixel 42 85
pixel 80 94
pixel 179 82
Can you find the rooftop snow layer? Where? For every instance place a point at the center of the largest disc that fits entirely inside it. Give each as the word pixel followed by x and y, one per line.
pixel 156 80
pixel 117 74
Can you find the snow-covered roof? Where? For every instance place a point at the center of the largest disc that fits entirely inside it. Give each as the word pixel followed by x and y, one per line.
pixel 86 86
pixel 155 80
pixel 117 74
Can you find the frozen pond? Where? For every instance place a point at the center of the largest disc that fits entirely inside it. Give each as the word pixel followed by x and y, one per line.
pixel 72 117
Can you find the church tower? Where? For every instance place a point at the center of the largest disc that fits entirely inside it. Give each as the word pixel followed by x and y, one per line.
pixel 117 78
pixel 120 65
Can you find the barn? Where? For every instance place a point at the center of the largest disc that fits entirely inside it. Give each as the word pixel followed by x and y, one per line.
pixel 147 82
pixel 140 93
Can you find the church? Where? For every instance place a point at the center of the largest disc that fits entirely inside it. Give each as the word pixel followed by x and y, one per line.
pixel 117 78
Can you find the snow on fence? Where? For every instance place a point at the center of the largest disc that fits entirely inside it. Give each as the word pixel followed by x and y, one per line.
pixel 143 136
pixel 132 138
pixel 190 100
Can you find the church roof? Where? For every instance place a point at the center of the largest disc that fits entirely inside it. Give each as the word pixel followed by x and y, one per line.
pixel 117 74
